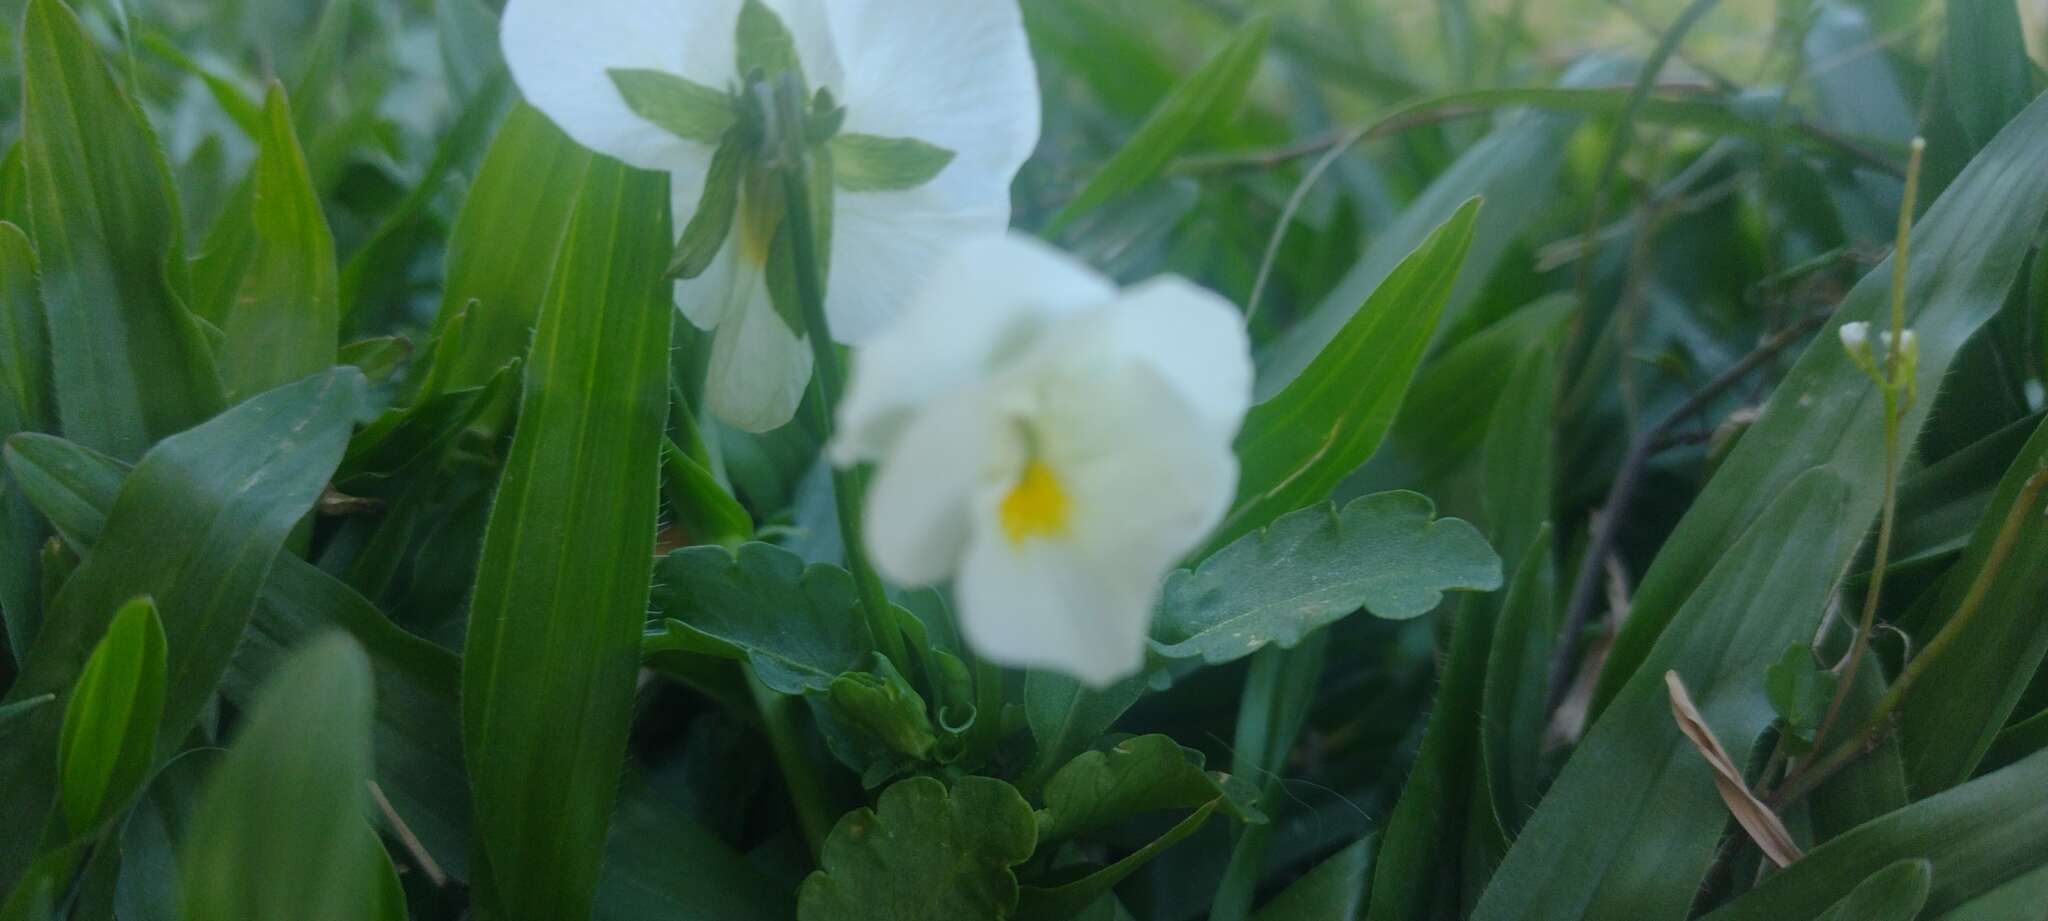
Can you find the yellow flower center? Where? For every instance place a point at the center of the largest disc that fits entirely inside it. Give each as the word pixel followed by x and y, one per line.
pixel 1036 506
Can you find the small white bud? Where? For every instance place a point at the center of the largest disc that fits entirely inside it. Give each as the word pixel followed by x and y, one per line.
pixel 1856 337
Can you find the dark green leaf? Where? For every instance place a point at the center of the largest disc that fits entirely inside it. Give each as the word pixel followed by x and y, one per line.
pixel 1297 445
pixel 1989 79
pixel 798 626
pixel 866 163
pixel 1387 553
pixel 1895 893
pixel 501 252
pixel 684 108
pixel 279 831
pixel 1069 899
pixel 1208 97
pixel 1334 891
pixel 1977 838
pixel 1966 254
pixel 704 510
pixel 25 406
pixel 1512 714
pixel 1659 814
pixel 130 362
pixel 104 751
pixel 561 590
pixel 1799 691
pixel 1962 700
pixel 281 325
pixel 1100 789
pixel 924 853
pixel 234 488
pixel 469 44
pixel 1065 716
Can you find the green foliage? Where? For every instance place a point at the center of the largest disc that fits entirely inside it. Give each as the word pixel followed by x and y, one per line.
pixel 1212 94
pixel 415 415
pixel 561 590
pixel 129 361
pixel 110 720
pixel 796 625
pixel 1387 553
pixel 280 830
pixel 1297 445
pixel 924 853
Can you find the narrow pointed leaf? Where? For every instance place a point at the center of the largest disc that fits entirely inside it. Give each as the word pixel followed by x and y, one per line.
pixel 867 163
pixel 1296 446
pixel 282 323
pixel 280 829
pixel 684 108
pixel 561 590
pixel 233 488
pixel 105 750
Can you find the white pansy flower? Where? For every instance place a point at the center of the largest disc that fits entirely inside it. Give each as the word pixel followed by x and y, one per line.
pixel 2034 24
pixel 1053 444
pixel 940 109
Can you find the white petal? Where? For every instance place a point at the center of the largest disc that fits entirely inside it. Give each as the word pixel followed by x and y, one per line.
pixel 560 53
pixel 1192 337
pixel 984 306
pixel 759 366
pixel 885 246
pixel 1145 478
pixel 1051 606
pixel 956 73
pixel 921 501
pixel 1147 473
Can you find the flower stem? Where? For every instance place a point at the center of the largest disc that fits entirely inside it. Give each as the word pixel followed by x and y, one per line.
pixel 1898 392
pixel 829 378
pixel 814 813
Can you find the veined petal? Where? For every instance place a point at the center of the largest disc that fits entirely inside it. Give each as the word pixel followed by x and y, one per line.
pixel 1137 477
pixel 983 307
pixel 920 504
pixel 759 366
pixel 884 247
pixel 1192 337
pixel 956 73
pixel 561 54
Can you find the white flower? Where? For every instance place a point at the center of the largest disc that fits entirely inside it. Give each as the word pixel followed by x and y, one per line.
pixel 2034 24
pixel 1055 445
pixel 955 75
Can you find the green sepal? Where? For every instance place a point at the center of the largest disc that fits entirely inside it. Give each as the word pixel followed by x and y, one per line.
pixel 679 106
pixel 869 163
pixel 705 235
pixel 765 46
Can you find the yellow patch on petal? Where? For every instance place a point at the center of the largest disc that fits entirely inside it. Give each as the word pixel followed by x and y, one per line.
pixel 1036 507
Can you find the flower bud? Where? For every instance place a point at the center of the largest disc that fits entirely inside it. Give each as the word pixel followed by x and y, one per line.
pixel 1856 341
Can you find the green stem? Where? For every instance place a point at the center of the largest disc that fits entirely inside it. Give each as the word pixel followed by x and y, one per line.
pixel 829 378
pixel 807 794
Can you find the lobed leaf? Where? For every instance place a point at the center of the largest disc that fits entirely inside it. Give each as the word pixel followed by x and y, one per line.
pixel 924 853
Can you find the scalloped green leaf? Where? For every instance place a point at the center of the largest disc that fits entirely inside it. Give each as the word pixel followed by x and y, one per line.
pixel 1150 773
pixel 1387 553
pixel 797 624
pixel 924 853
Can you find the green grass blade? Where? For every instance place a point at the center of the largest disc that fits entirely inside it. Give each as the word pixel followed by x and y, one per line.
pixel 281 323
pixel 131 364
pixel 104 751
pixel 562 589
pixel 231 490
pixel 1966 254
pixel 1211 95
pixel 280 829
